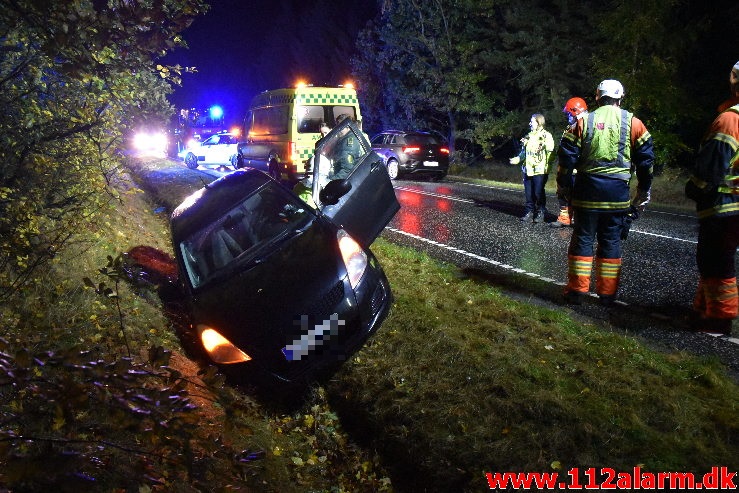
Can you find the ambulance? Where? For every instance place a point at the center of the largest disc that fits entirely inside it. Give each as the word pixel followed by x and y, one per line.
pixel 283 125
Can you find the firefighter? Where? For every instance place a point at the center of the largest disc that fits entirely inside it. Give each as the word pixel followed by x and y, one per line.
pixel 574 109
pixel 714 185
pixel 608 146
pixel 534 160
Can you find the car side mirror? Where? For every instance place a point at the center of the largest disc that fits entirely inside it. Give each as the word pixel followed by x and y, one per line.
pixel 333 191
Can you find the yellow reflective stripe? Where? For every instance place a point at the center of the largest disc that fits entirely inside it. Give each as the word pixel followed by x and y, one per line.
pixel 569 136
pixel 725 138
pixel 698 182
pixel 719 209
pixel 722 293
pixel 586 204
pixel 730 185
pixel 610 172
pixel 609 270
pixel 643 138
pixel 580 267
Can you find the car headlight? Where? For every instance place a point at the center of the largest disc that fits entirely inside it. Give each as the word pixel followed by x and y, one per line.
pixel 150 142
pixel 220 349
pixel 355 259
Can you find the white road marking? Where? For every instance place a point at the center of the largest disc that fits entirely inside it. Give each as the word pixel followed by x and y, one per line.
pixel 517 270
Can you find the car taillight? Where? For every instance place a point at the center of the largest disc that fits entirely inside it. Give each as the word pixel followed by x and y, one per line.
pixel 444 150
pixel 410 149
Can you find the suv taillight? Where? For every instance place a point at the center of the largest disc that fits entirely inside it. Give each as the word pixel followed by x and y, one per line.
pixel 410 149
pixel 444 150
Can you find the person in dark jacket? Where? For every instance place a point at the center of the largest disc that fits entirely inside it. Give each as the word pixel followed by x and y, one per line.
pixel 714 185
pixel 574 109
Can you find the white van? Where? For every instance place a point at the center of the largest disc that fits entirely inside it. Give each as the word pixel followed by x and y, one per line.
pixel 282 127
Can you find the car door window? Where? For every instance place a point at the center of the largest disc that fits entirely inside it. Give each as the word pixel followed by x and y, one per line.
pixel 337 155
pixel 363 202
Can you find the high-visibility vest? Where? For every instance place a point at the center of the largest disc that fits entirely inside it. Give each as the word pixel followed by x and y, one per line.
pixel 606 143
pixel 537 146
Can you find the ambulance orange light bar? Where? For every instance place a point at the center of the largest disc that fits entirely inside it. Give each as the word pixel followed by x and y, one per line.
pixel 301 83
pixel 236 131
pixel 348 84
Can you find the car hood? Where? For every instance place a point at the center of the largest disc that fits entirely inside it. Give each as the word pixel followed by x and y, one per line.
pixel 259 308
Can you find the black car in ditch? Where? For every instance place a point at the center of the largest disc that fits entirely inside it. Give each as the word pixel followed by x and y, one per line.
pixel 274 283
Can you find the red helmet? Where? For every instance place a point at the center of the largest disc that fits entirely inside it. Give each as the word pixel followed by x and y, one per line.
pixel 575 106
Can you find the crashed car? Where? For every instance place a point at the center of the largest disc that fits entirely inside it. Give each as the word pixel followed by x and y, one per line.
pixel 273 283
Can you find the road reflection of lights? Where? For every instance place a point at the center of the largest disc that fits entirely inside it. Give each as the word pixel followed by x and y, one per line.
pixel 444 205
pixel 411 222
pixel 408 199
pixel 408 221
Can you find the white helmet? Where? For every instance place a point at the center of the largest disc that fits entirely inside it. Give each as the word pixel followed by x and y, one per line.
pixel 610 88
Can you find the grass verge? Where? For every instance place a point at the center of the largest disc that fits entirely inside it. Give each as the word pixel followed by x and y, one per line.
pixel 462 380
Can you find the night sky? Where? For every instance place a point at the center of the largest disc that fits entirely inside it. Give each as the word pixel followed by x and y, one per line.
pixel 241 48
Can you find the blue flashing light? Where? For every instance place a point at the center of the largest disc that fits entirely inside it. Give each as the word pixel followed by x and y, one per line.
pixel 216 112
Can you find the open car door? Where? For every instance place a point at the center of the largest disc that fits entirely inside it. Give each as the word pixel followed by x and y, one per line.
pixel 351 185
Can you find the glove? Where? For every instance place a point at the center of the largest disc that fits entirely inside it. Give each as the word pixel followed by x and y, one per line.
pixel 641 199
pixel 515 160
pixel 629 218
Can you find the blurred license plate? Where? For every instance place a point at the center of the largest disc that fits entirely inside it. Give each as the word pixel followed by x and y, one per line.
pixel 431 163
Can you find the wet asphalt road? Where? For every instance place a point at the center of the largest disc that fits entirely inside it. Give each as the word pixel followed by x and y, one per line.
pixel 658 258
pixel 477 228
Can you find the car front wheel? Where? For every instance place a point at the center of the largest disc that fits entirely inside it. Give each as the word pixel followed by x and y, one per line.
pixel 392 169
pixel 191 161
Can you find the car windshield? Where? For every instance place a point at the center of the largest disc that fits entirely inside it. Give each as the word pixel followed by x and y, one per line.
pixel 245 234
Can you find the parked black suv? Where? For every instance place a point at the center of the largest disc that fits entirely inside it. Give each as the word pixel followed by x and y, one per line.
pixel 412 152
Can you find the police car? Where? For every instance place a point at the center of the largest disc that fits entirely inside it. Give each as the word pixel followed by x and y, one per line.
pixel 219 149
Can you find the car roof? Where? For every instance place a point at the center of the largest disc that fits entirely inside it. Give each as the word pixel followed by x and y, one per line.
pixel 210 202
pixel 406 132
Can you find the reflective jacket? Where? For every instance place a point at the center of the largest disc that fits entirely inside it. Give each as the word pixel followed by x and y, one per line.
pixel 537 146
pixel 714 184
pixel 569 135
pixel 606 148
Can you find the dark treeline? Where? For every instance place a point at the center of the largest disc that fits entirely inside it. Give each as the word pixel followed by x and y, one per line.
pixel 474 70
